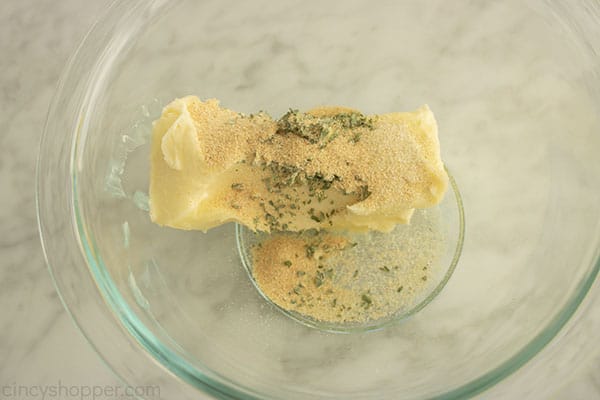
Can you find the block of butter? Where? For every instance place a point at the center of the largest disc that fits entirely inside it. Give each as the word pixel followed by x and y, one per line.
pixel 329 168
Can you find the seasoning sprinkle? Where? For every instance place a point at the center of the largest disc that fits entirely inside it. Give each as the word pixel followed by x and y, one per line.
pixel 329 278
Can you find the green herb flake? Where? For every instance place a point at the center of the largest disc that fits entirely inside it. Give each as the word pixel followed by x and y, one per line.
pixel 366 300
pixel 363 193
pixel 356 137
pixel 322 130
pixel 310 251
pixel 287 263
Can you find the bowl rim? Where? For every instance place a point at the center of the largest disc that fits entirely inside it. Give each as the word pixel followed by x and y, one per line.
pixel 121 319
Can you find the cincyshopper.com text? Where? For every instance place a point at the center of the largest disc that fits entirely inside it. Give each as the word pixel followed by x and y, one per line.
pixel 81 392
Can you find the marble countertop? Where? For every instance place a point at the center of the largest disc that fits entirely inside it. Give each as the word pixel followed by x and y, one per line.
pixel 38 343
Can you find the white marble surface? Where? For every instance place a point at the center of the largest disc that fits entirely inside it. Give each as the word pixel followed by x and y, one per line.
pixel 38 343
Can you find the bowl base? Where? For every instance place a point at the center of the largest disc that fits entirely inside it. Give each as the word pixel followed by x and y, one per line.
pixel 378 279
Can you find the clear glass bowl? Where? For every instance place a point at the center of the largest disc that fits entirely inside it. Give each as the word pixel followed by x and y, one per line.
pixel 514 87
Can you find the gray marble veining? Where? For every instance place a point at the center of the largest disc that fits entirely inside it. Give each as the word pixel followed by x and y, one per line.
pixel 39 344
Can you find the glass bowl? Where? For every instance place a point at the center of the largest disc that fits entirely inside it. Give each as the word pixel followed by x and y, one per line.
pixel 514 87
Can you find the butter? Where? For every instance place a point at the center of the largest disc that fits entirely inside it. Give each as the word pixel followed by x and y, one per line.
pixel 330 168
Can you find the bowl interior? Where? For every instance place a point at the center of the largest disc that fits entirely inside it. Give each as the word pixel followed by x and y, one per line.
pixel 514 93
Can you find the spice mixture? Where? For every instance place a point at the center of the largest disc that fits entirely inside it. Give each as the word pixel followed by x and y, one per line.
pixel 343 278
pixel 329 168
pixel 301 180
